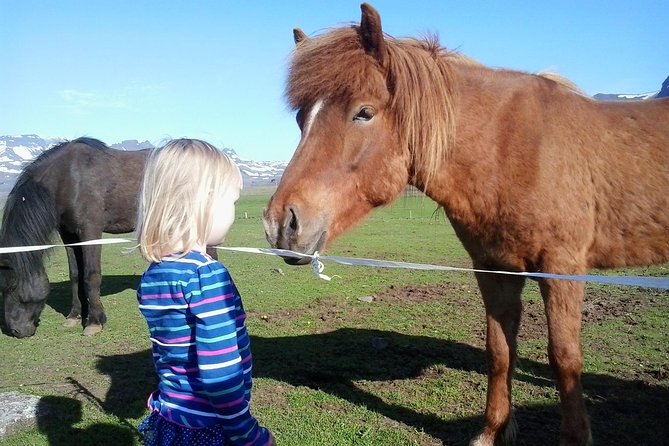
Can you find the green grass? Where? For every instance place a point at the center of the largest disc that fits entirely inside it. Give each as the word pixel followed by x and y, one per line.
pixel 406 369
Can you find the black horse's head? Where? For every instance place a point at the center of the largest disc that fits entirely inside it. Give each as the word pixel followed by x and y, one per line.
pixel 24 297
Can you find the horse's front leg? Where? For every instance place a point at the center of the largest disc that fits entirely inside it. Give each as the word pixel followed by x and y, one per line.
pixel 73 319
pixel 92 280
pixel 212 252
pixel 563 300
pixel 75 263
pixel 501 296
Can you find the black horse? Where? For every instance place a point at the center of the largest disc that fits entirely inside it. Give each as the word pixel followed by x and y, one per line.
pixel 81 189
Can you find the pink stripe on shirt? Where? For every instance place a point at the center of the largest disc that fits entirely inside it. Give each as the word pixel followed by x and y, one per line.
pixel 216 352
pixel 256 439
pixel 175 340
pixel 162 296
pixel 186 397
pixel 212 299
pixel 177 369
pixel 229 404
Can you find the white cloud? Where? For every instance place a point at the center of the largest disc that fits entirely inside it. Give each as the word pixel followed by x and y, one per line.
pixel 82 102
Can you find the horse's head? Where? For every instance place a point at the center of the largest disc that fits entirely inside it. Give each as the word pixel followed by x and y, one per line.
pixel 350 158
pixel 24 298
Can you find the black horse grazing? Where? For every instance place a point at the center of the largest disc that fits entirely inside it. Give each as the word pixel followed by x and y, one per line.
pixel 80 188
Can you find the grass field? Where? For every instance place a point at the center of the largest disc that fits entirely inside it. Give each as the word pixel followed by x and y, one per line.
pixel 407 368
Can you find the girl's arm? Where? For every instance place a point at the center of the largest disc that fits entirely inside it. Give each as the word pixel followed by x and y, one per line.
pixel 223 354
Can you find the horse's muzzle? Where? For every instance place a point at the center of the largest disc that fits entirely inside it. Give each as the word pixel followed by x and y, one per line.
pixel 286 230
pixel 23 331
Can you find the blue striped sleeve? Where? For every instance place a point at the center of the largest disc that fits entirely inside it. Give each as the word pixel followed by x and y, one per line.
pixel 223 352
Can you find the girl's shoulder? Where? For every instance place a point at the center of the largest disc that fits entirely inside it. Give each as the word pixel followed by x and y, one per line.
pixel 189 264
pixel 202 263
pixel 190 260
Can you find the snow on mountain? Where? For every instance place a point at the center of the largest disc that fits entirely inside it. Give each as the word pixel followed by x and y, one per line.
pixel 625 97
pixel 663 92
pixel 132 144
pixel 17 151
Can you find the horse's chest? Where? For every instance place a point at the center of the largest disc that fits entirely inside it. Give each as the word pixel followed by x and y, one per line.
pixel 490 242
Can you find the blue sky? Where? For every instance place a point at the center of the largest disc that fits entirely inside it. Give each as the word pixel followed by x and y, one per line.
pixel 152 70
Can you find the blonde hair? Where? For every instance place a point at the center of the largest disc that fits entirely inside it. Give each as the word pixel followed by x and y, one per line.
pixel 175 203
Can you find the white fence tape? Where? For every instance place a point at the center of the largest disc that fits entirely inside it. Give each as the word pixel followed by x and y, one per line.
pixel 318 267
pixel 640 281
pixel 104 241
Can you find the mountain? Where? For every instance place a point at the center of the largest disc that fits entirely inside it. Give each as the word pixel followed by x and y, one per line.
pixel 663 93
pixel 624 97
pixel 17 151
pixel 132 144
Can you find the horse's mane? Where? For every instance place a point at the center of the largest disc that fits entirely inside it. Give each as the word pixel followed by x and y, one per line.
pixel 29 216
pixel 417 75
pixel 423 100
pixel 56 149
pixel 561 80
pixel 29 219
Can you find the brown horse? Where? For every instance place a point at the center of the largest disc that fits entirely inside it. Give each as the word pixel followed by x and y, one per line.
pixel 533 175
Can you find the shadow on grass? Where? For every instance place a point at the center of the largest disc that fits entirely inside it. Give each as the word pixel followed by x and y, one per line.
pixel 58 415
pixel 621 411
pixel 60 297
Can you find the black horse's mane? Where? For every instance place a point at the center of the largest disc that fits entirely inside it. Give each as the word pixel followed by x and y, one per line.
pixel 30 216
pixel 56 149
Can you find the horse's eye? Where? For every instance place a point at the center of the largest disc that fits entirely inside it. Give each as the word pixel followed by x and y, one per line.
pixel 364 114
pixel 300 118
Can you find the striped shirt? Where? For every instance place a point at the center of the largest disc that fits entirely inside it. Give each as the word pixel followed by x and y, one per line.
pixel 201 350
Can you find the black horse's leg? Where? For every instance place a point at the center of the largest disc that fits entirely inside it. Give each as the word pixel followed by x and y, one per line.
pixel 73 319
pixel 213 252
pixel 74 260
pixel 92 280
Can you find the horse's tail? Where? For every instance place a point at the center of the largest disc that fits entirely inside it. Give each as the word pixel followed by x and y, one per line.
pixel 29 218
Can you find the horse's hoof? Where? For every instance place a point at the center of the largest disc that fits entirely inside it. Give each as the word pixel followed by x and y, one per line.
pixel 71 322
pixel 93 329
pixel 507 437
pixel 481 440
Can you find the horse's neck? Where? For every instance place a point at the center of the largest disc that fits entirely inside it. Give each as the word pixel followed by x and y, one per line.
pixel 494 151
pixel 465 183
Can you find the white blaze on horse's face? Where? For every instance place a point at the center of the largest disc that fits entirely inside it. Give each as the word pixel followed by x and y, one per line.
pixel 271 226
pixel 312 117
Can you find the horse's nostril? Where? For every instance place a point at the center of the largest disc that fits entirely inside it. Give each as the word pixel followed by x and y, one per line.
pixel 293 225
pixel 14 332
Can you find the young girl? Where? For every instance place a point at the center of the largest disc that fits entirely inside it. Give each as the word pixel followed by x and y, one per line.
pixel 196 321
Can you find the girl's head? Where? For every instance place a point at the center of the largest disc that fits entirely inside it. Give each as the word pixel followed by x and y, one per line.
pixel 187 198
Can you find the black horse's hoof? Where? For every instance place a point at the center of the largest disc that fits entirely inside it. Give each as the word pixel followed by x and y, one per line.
pixel 92 329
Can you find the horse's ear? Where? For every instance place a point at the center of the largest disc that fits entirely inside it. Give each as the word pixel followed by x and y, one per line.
pixel 299 36
pixel 371 34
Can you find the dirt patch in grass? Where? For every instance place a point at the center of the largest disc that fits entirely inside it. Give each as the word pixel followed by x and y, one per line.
pixel 411 295
pixel 600 305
